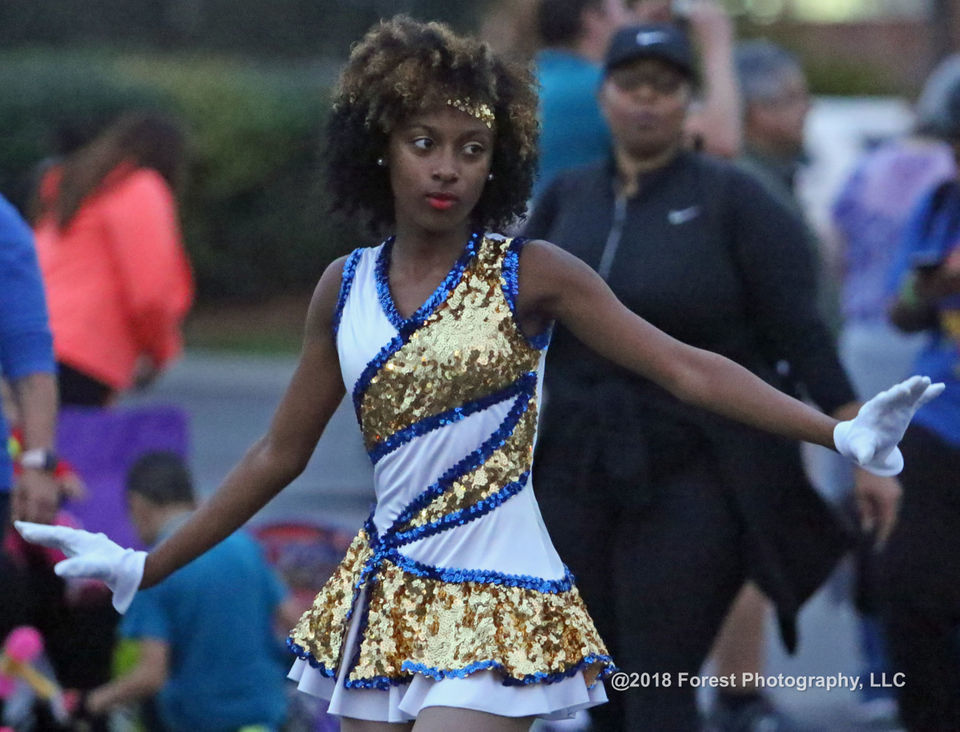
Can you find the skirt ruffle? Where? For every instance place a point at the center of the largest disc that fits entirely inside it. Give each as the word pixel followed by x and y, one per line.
pixel 481 691
pixel 386 638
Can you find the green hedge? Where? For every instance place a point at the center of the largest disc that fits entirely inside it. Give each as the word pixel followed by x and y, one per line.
pixel 267 28
pixel 253 212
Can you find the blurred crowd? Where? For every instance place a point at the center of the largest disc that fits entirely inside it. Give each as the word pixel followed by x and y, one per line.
pixel 673 161
pixel 638 104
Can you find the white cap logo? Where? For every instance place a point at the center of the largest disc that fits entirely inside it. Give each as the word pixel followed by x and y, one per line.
pixel 648 38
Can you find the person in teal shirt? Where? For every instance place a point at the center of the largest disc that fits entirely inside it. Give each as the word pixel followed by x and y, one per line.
pixel 208 646
pixel 575 34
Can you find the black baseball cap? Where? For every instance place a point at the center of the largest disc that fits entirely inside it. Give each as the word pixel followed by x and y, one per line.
pixel 665 42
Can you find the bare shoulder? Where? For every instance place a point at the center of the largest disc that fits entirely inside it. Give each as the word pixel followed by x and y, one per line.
pixel 543 258
pixel 323 304
pixel 545 261
pixel 549 275
pixel 539 250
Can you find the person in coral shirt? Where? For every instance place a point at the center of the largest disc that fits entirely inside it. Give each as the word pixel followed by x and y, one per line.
pixel 110 249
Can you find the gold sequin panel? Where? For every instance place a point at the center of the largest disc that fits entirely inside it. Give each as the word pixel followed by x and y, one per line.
pixel 504 466
pixel 321 629
pixel 449 626
pixel 468 348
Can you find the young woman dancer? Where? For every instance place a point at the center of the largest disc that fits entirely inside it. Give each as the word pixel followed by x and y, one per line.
pixel 451 608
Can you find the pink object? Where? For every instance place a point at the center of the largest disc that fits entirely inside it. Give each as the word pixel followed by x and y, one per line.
pixel 7 687
pixel 23 644
pixel 71 702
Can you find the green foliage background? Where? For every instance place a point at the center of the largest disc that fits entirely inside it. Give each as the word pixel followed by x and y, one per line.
pixel 253 210
pixel 250 79
pixel 265 28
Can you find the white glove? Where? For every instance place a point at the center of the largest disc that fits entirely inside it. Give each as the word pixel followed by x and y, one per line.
pixel 870 439
pixel 91 556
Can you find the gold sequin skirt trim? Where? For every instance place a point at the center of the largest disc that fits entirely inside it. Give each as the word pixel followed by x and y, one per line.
pixel 419 624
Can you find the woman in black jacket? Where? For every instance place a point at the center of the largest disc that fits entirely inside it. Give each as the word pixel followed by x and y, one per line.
pixel 661 510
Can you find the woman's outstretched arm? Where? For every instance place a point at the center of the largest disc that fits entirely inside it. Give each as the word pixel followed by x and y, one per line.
pixel 267 467
pixel 278 457
pixel 555 285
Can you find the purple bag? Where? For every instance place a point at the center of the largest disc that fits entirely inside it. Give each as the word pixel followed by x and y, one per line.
pixel 102 445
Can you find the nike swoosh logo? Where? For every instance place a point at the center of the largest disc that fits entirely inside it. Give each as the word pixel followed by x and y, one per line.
pixel 648 38
pixel 683 215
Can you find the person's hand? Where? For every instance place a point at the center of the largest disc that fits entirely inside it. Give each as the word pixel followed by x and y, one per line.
pixel 934 284
pixel 870 439
pixel 36 497
pixel 91 556
pixel 653 11
pixel 72 487
pixel 710 24
pixel 97 702
pixel 878 502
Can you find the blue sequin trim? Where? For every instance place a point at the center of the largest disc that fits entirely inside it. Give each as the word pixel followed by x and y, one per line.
pixel 409 667
pixel 460 517
pixel 362 630
pixel 371 370
pixel 537 678
pixel 405 328
pixel 482 576
pixel 511 288
pixel 511 266
pixel 385 682
pixel 305 655
pixel 524 384
pixel 470 462
pixel 408 325
pixel 346 282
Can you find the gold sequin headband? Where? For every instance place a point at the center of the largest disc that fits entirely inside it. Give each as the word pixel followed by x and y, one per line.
pixel 480 111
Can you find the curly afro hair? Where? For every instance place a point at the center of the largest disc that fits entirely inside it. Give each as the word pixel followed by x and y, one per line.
pixel 402 67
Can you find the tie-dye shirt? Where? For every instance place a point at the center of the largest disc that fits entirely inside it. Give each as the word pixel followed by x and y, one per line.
pixel 870 214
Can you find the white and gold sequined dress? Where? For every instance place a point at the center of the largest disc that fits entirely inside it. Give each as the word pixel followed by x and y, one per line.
pixel 452 594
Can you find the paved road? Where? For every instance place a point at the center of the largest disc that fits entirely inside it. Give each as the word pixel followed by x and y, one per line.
pixel 230 400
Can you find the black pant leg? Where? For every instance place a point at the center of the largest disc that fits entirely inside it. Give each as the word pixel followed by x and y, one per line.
pixel 677 567
pixel 658 582
pixel 580 525
pixel 921 585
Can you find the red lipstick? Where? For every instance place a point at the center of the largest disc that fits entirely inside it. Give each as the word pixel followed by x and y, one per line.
pixel 442 201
